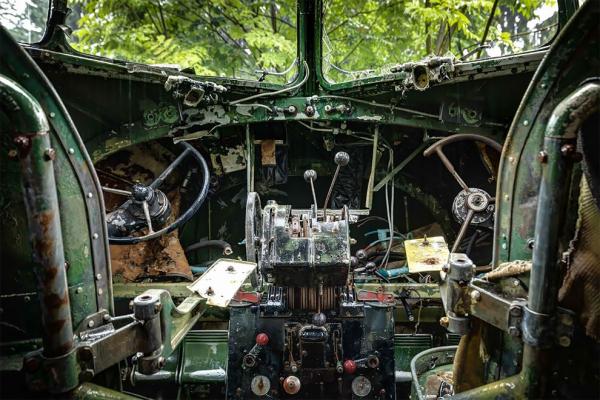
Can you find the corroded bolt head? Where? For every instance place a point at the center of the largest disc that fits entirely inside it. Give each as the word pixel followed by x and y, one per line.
pixel 514 331
pixel 475 296
pixel 309 110
pixel 569 151
pixel 49 154
pixel 445 322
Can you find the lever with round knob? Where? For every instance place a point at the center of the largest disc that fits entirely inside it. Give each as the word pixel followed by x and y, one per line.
pixel 341 159
pixel 310 175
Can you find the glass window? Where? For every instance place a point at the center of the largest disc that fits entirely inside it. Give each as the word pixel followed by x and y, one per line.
pixel 24 19
pixel 366 38
pixel 233 38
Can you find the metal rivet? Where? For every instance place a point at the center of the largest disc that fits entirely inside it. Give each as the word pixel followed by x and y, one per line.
pixel 503 246
pixel 506 197
pixel 79 290
pixel 27 299
pixel 525 123
pixel 543 86
pixel 99 276
pixel 90 324
pixel 475 296
pixel 52 115
pixel 71 151
pixel 90 195
pixel 100 291
pixel 95 236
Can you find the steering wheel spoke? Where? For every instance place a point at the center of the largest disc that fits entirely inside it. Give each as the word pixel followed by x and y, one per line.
pixel 116 191
pixel 471 205
pixel 169 170
pixel 147 216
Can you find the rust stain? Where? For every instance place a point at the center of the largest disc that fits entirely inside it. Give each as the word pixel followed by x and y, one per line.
pixel 431 261
pixel 53 300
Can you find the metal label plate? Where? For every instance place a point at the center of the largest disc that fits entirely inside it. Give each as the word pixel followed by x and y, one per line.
pixel 219 284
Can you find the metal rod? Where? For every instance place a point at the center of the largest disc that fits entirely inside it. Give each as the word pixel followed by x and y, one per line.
pixel 335 175
pixel 369 199
pixel 560 150
pixel 116 191
pixel 36 155
pixel 314 195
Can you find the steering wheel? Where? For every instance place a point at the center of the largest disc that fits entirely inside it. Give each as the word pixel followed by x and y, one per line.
pixel 471 206
pixel 148 206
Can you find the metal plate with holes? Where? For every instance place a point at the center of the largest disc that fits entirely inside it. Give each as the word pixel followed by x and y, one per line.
pixel 427 254
pixel 222 280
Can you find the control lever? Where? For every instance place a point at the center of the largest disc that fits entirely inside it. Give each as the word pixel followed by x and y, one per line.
pixel 310 175
pixel 341 159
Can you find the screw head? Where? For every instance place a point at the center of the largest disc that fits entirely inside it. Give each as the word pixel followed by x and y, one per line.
pixel 475 296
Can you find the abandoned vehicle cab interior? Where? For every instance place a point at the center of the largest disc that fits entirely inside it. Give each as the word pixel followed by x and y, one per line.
pixel 299 199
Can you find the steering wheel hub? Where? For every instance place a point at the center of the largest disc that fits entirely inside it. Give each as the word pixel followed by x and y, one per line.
pixel 476 201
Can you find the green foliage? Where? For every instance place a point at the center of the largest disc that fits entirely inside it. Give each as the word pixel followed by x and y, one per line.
pixel 371 36
pixel 361 37
pixel 218 37
pixel 24 19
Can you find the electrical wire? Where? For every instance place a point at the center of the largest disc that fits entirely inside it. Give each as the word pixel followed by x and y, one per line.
pixel 277 92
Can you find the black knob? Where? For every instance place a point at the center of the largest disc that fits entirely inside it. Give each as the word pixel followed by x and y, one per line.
pixel 141 192
pixel 342 158
pixel 310 175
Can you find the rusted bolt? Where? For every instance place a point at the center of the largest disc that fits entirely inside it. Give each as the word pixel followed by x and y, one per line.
pixel 86 375
pixel 475 296
pixel 542 157
pixel 515 311
pixel 210 291
pixel 514 331
pixel 50 154
pixel 569 151
pixel 445 322
pixel 564 341
pixel 86 354
pixel 309 111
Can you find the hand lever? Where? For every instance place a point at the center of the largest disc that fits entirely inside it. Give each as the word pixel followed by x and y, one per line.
pixel 341 159
pixel 310 175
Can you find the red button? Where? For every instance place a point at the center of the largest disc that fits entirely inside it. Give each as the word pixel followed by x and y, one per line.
pixel 349 366
pixel 262 339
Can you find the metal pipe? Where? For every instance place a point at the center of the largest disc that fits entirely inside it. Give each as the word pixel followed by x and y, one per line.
pixel 32 139
pixel 558 156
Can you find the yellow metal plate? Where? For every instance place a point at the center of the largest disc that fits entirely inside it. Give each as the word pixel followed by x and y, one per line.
pixel 222 280
pixel 427 254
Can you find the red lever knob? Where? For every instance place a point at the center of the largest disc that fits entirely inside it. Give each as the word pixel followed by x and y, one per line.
pixel 262 339
pixel 349 367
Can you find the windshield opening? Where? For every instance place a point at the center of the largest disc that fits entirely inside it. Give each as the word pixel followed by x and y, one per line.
pixel 367 38
pixel 24 19
pixel 241 39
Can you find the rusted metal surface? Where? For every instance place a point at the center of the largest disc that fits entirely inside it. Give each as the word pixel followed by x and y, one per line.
pixel 41 202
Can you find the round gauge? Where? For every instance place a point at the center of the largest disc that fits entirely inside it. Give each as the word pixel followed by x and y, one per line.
pixel 361 386
pixel 260 385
